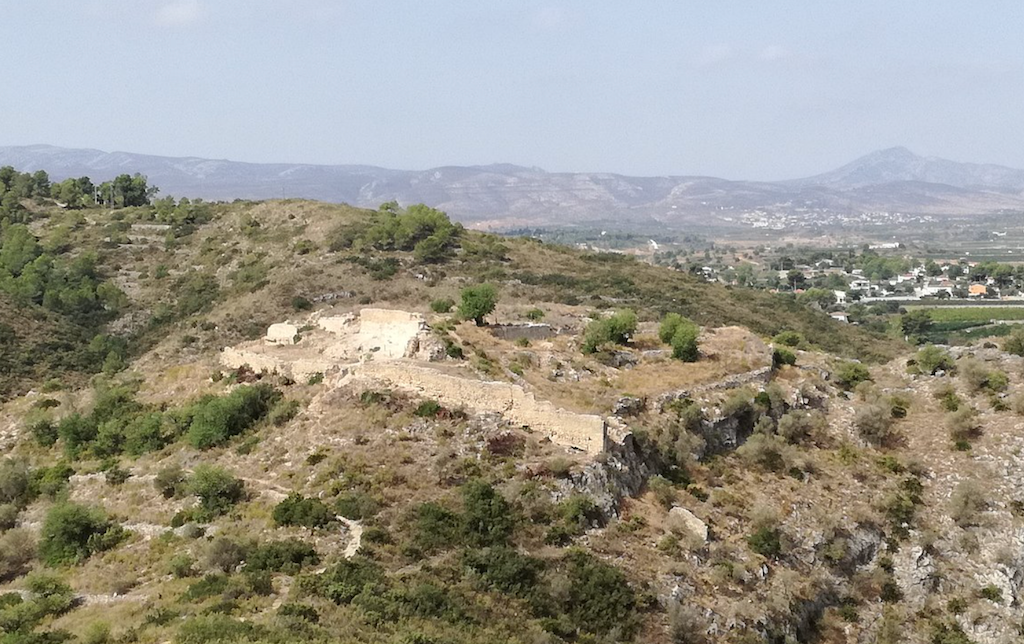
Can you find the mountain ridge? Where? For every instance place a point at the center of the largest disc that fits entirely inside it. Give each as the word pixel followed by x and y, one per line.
pixel 503 195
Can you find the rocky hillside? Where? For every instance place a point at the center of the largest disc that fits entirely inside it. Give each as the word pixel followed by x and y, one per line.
pixel 302 439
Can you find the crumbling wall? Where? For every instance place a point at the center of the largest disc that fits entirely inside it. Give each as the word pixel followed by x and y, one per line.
pixel 513 332
pixel 336 324
pixel 581 431
pixel 258 359
pixel 388 333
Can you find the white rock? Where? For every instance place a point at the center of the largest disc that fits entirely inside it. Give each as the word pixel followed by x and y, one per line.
pixel 281 333
pixel 690 522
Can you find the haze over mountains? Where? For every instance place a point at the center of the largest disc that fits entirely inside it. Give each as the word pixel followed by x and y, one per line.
pixel 505 196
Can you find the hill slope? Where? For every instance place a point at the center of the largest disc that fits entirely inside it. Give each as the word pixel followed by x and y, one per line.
pixel 380 498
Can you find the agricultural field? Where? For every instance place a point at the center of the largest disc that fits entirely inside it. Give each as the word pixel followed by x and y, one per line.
pixel 959 324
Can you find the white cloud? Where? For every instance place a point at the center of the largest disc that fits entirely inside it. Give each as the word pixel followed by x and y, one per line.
pixel 179 12
pixel 774 52
pixel 715 55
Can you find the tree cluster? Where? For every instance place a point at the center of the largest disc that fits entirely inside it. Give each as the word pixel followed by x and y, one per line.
pixel 428 233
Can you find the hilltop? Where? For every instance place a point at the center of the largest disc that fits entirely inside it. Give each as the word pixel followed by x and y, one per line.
pixel 291 428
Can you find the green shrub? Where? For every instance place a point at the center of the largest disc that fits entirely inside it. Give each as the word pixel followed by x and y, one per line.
pixel 148 433
pixel 874 423
pixel 600 599
pixel 850 374
pixel 979 378
pixel 782 356
pixel 1014 344
pixel 947 398
pixel 616 329
pixel 51 481
pixel 218 490
pixel 789 339
pixel 435 528
pixel 284 411
pixel 357 506
pixel 488 519
pixel 766 542
pixel 428 409
pixel 44 432
pixel 15 482
pixel 72 533
pixel 931 359
pixel 503 568
pixel 288 556
pixel 798 426
pixel 670 324
pixel 170 481
pixel 300 612
pixel 442 305
pixel 224 554
pixel 180 565
pixel 297 510
pixel 992 593
pixel 217 419
pixel 664 492
pixel 684 342
pixel 342 582
pixel 535 315
pixel 117 475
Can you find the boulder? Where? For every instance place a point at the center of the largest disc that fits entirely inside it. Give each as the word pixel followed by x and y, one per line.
pixel 629 406
pixel 281 333
pixel 690 522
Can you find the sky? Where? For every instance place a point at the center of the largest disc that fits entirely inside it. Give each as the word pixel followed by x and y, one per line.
pixel 741 90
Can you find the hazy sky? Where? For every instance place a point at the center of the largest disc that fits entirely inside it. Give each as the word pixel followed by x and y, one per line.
pixel 744 90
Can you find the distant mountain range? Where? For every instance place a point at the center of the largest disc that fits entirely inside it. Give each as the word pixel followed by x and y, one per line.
pixel 506 196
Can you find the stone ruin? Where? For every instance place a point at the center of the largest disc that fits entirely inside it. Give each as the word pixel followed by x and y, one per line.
pixel 391 348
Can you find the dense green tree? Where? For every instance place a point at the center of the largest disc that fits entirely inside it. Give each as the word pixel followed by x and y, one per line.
pixel 478 302
pixel 40 184
pixel 915 324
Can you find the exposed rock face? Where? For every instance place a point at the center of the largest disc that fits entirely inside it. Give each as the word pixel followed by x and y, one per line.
pixel 622 472
pixel 629 406
pixel 690 522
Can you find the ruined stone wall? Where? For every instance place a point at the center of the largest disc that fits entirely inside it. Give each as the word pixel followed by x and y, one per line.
pixel 513 332
pixel 259 359
pixel 581 431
